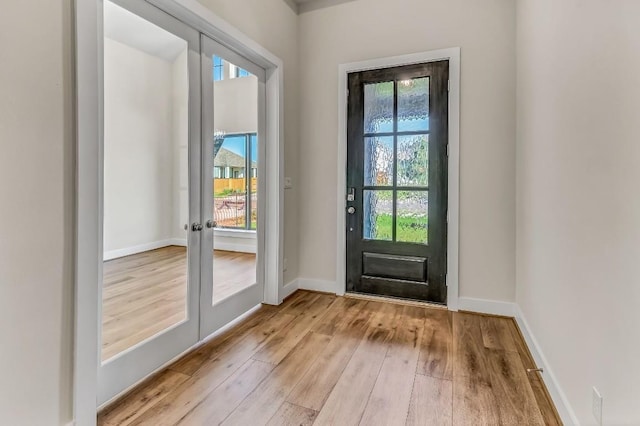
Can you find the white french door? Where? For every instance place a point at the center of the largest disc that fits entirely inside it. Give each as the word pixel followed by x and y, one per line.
pixel 164 115
pixel 233 123
pixel 151 193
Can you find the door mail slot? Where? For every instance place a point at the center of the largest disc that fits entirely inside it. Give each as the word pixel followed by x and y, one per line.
pixel 393 266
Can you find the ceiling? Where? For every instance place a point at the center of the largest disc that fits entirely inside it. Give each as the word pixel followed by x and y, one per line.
pixel 130 29
pixel 302 6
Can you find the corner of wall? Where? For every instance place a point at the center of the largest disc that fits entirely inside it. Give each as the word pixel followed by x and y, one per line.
pixel 558 396
pixel 485 306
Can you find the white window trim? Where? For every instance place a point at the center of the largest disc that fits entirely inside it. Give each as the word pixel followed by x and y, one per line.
pixel 88 74
pixel 453 56
pixel 249 234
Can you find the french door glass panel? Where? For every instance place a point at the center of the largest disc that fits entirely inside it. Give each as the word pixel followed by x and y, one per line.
pixel 151 184
pixel 233 122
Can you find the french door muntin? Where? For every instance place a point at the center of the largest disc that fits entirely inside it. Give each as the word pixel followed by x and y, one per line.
pixel 388 264
pixel 216 312
pixel 130 366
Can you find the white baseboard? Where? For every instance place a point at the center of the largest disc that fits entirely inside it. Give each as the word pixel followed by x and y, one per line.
pixel 227 246
pixel 484 306
pixel 219 245
pixel 559 398
pixel 128 251
pixel 317 285
pixel 182 242
pixel 288 289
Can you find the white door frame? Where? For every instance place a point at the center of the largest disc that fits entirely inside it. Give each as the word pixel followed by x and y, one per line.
pixel 453 56
pixel 88 250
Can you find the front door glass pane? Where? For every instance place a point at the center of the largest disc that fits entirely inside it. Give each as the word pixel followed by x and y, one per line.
pixel 378 161
pixel 413 160
pixel 413 104
pixel 378 215
pixel 146 186
pixel 378 107
pixel 412 219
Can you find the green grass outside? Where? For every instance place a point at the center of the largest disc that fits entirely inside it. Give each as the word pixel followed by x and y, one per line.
pixel 226 192
pixel 410 229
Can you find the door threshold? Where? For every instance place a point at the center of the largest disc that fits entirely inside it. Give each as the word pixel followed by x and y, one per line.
pixel 395 300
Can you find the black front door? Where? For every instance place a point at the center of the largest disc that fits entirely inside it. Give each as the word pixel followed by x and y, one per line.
pixel 396 214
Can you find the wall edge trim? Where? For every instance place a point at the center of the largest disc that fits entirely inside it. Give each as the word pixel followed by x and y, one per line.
pixel 288 289
pixel 487 306
pixel 128 251
pixel 325 286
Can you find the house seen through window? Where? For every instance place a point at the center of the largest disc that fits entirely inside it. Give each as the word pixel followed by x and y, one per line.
pixel 235 181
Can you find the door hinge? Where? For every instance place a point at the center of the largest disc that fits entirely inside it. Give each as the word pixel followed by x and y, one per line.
pixel 448 85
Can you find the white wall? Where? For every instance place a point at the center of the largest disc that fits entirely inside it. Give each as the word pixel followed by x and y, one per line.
pixel 139 149
pixel 578 216
pixel 368 29
pixel 36 213
pixel 274 25
pixel 235 105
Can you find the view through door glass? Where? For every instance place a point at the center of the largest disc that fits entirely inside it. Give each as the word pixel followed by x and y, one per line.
pixel 397 181
pixel 235 177
pixel 146 185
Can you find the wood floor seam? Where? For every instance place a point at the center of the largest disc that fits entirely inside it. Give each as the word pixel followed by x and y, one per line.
pixel 413 385
pixel 371 391
pixel 433 377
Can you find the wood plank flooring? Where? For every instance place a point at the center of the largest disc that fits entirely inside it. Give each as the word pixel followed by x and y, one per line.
pixel 144 293
pixel 326 360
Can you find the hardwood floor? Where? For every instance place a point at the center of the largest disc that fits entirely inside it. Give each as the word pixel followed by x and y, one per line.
pixel 326 360
pixel 144 294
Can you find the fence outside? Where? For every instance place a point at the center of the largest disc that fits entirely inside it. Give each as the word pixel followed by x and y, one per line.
pixel 220 186
pixel 230 202
pixel 229 211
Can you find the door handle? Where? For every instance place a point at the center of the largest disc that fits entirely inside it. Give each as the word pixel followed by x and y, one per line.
pixel 211 224
pixel 196 227
pixel 351 210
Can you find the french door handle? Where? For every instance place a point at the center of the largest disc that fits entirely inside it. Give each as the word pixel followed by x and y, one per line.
pixel 351 210
pixel 196 227
pixel 211 224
